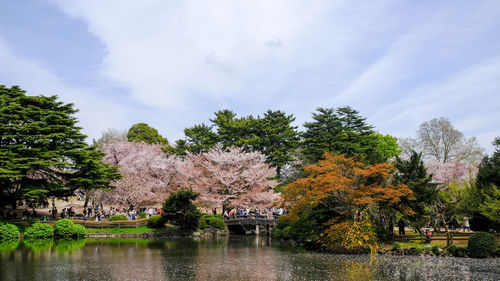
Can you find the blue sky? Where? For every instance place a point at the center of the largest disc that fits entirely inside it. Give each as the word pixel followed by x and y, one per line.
pixel 172 64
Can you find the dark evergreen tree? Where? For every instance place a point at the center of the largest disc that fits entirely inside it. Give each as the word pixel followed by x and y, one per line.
pixel 340 131
pixel 180 209
pixel 489 168
pixel 278 138
pixel 413 173
pixel 42 151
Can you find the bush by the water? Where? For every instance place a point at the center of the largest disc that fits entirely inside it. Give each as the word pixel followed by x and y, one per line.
pixel 157 221
pixel 142 215
pixel 8 231
pixel 215 221
pixel 350 236
pixel 481 245
pixel 65 228
pixel 39 230
pixel 179 209
pixel 118 218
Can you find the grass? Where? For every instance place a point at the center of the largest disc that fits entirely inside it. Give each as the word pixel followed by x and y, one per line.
pixel 132 230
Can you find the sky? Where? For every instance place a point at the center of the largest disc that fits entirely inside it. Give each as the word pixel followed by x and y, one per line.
pixel 172 64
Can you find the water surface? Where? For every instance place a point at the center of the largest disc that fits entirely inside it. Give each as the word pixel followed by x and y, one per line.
pixel 234 258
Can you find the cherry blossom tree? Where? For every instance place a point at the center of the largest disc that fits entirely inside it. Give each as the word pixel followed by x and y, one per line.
pixel 148 173
pixel 229 177
pixel 451 171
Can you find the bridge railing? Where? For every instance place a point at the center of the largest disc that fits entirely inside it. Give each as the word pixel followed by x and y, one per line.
pixel 255 217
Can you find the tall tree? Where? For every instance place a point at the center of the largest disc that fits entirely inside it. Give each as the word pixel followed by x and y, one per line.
pixel 341 131
pixel 413 173
pixel 237 132
pixel 337 188
pixel 148 174
pixel 42 151
pixel 228 177
pixel 142 132
pixel 438 140
pixel 199 139
pixel 489 168
pixel 92 174
pixel 355 185
pixel 278 138
pixel 450 171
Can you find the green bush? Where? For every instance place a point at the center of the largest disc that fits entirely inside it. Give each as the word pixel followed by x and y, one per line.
pixel 79 230
pixel 66 229
pixel 118 218
pixel 456 251
pixel 285 232
pixel 157 221
pixel 420 248
pixel 435 250
pixel 396 246
pixel 215 221
pixel 481 245
pixel 8 231
pixel 142 215
pixel 39 230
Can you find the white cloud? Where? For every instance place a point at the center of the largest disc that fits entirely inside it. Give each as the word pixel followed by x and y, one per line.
pixel 36 79
pixel 162 50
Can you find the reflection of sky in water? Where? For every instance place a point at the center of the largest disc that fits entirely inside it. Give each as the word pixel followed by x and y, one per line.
pixel 235 258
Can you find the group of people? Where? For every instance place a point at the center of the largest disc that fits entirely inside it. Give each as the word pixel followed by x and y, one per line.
pixel 266 212
pixel 100 214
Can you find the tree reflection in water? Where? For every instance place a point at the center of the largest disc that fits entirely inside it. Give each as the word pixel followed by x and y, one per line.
pixel 230 258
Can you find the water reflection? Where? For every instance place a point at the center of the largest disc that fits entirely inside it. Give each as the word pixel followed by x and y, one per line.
pixel 230 258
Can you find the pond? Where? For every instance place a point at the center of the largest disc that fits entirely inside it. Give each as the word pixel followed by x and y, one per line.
pixel 232 258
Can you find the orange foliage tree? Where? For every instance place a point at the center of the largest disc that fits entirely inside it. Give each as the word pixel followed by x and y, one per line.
pixel 352 185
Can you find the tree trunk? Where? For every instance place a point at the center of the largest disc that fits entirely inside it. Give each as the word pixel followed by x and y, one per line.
pixel 87 198
pixel 448 234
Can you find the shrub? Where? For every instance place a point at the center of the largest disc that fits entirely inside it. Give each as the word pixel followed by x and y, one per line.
pixel 350 235
pixel 179 209
pixel 435 250
pixel 79 230
pixel 285 232
pixel 456 251
pixel 481 245
pixel 420 248
pixel 39 230
pixel 157 221
pixel 215 221
pixel 142 215
pixel 396 246
pixel 66 229
pixel 8 231
pixel 118 218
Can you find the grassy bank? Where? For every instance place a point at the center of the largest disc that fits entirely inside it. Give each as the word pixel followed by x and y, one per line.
pixel 168 229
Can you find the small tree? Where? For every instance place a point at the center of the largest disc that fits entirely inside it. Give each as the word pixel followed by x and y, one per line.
pixel 180 209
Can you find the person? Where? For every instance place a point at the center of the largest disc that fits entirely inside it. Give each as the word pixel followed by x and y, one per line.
pixel 427 235
pixel 466 224
pixel 401 227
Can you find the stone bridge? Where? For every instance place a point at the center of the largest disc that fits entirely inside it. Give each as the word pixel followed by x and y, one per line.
pixel 266 221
